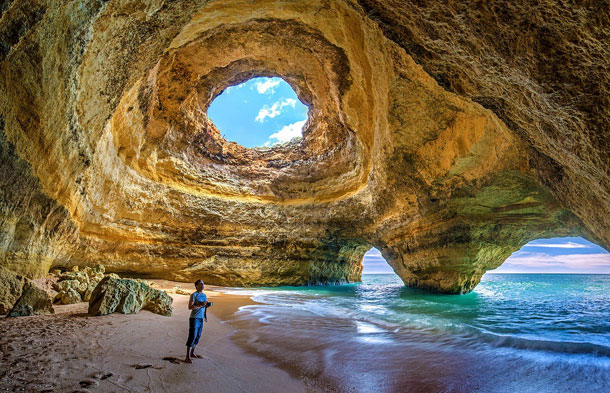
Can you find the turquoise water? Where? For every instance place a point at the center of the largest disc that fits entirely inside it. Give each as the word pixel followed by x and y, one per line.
pixel 518 332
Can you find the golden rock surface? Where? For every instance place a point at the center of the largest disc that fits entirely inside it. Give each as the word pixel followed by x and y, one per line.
pixel 446 136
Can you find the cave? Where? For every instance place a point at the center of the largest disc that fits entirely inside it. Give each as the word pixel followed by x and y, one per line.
pixel 448 143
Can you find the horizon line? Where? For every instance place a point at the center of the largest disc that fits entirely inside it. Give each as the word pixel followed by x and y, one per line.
pixel 600 274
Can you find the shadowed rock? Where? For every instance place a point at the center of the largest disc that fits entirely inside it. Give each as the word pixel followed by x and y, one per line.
pixel 11 288
pixel 33 301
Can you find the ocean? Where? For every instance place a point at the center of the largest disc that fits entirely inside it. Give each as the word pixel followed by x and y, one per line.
pixel 513 333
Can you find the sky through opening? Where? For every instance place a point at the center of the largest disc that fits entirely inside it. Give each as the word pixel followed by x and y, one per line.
pixel 261 112
pixel 374 263
pixel 557 255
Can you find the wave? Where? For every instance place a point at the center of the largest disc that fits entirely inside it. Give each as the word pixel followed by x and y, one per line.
pixel 565 347
pixel 421 328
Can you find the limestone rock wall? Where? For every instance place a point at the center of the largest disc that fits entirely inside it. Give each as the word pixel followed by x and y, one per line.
pixel 415 143
pixel 542 67
pixel 35 230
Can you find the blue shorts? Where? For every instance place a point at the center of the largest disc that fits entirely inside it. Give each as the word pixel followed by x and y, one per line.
pixel 195 328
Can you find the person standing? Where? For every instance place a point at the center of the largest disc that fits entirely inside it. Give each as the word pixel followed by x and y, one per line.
pixel 197 305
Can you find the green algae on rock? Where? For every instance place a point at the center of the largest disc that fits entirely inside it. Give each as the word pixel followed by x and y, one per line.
pixel 128 297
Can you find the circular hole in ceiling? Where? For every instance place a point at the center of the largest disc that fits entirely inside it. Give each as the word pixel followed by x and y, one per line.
pixel 261 112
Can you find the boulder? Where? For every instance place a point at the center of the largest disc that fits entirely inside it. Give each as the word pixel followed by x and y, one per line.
pixel 68 296
pixel 95 274
pixel 11 288
pixel 99 269
pixel 159 302
pixel 128 297
pixel 87 294
pixel 33 301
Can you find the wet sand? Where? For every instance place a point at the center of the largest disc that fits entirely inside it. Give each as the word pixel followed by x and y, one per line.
pixel 74 352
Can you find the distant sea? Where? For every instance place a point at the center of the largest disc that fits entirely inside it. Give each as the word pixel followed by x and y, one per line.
pixel 513 333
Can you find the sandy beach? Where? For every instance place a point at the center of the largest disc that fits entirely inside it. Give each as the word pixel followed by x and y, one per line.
pixel 71 351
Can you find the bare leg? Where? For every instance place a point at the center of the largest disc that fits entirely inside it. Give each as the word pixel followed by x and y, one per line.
pixel 188 357
pixel 193 355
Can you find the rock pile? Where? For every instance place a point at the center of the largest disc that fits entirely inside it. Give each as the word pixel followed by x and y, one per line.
pixel 77 285
pixel 106 293
pixel 128 296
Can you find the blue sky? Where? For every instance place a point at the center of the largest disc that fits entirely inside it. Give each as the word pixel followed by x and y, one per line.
pixel 259 112
pixel 373 263
pixel 557 255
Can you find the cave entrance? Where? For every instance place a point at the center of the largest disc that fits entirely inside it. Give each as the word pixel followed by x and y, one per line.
pixel 568 255
pixel 374 263
pixel 261 112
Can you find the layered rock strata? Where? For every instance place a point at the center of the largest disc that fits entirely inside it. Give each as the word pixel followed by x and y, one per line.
pixel 441 134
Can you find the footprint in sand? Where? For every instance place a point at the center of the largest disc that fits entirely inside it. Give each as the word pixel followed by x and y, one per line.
pixel 101 376
pixel 141 366
pixel 172 360
pixel 88 383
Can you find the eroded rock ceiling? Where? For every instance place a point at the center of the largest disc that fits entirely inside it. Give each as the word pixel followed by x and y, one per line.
pixel 445 135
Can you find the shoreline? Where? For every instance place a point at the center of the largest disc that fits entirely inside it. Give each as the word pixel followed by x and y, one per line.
pixel 73 351
pixel 383 337
pixel 314 341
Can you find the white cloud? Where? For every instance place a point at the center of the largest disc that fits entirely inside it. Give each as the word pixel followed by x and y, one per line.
pixel 275 109
pixel 570 263
pixel 229 89
pixel 374 263
pixel 559 245
pixel 267 112
pixel 288 102
pixel 267 86
pixel 372 253
pixel 288 132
